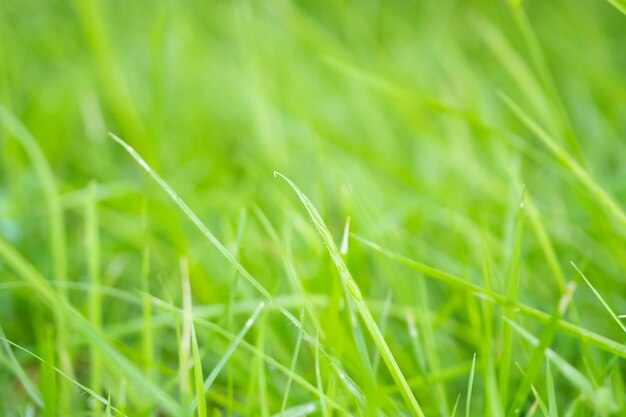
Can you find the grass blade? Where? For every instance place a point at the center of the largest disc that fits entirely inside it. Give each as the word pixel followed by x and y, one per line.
pixel 58 304
pixel 29 387
pixel 512 296
pixel 570 329
pixel 294 361
pixel 604 303
pixel 229 256
pixel 536 359
pixel 469 388
pixel 361 307
pixel 197 373
pixel 568 162
pixel 92 242
pixel 208 382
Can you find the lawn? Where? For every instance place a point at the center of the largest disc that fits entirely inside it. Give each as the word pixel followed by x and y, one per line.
pixel 332 208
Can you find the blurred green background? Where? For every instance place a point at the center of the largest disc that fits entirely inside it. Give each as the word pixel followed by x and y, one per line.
pixel 391 113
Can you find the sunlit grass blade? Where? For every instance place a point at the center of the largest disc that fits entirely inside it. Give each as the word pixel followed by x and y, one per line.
pixel 357 298
pixel 470 385
pixel 604 303
pixel 456 405
pixel 193 217
pixel 227 254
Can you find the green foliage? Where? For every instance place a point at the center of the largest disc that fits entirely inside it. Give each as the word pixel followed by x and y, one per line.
pixel 458 167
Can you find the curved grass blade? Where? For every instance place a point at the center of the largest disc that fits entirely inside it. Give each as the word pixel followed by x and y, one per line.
pixel 359 302
pixel 233 260
pixel 348 382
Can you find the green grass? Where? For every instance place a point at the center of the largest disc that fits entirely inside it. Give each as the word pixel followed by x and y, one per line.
pixel 449 173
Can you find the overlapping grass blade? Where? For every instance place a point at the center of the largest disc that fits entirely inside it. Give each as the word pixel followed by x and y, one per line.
pixel 360 304
pixel 604 303
pixel 570 329
pixel 232 259
pixel 569 162
pixel 536 358
pixel 59 304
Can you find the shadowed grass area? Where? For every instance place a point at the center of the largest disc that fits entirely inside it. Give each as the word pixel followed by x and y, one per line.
pixel 450 239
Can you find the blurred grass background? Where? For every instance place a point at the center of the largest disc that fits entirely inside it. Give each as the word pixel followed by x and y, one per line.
pixel 391 113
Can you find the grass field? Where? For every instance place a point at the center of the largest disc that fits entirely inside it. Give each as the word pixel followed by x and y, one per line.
pixel 277 208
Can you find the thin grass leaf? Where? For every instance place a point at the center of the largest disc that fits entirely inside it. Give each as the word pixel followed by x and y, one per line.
pixel 147 330
pixel 17 369
pixel 512 290
pixel 184 343
pixel 552 402
pixel 208 382
pixel 320 388
pixel 56 227
pixel 494 404
pixel 262 395
pixel 570 329
pixel 357 298
pixel 567 370
pixel 229 256
pixel 92 242
pixel 604 303
pixel 81 387
pixel 58 304
pixel 292 369
pixel 539 402
pixel 197 372
pixel 470 385
pixel 568 162
pixel 536 359
pixel 456 405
